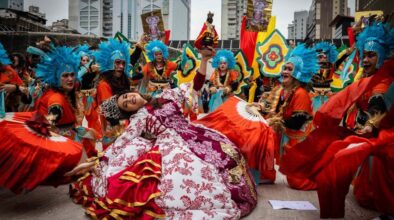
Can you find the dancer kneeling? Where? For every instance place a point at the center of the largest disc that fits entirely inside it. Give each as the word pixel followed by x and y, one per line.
pixel 164 166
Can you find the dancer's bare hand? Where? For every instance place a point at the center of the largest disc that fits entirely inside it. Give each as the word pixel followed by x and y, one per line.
pixel 81 169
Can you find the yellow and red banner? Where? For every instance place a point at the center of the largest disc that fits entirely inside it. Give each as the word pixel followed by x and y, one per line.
pixel 271 54
pixel 246 72
pixel 189 63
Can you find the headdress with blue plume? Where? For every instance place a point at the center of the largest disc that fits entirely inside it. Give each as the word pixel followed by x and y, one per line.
pixel 305 62
pixel 83 50
pixel 379 38
pixel 110 51
pixel 4 59
pixel 224 56
pixel 59 60
pixel 155 46
pixel 329 49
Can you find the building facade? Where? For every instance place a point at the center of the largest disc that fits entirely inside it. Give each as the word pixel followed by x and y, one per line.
pixel 290 31
pixel 232 12
pixel 36 10
pixel 16 20
pixel 107 17
pixel 12 4
pixel 321 13
pixel 85 16
pixel 298 28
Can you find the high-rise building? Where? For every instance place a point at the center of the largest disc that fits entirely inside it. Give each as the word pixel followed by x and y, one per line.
pixel 125 16
pixel 85 16
pixel 290 31
pixel 36 11
pixel 232 12
pixel 321 13
pixel 386 6
pixel 128 17
pixel 107 18
pixel 12 4
pixel 298 28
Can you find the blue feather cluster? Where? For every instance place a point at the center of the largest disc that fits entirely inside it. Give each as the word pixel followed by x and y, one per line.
pixel 57 61
pixel 83 50
pixel 224 55
pixel 155 46
pixel 4 59
pixel 377 37
pixel 329 49
pixel 105 55
pixel 305 62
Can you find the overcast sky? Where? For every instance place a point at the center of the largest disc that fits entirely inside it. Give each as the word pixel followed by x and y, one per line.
pixel 282 9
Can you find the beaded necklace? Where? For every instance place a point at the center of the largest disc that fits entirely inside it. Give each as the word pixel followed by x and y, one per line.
pixel 218 83
pixel 156 75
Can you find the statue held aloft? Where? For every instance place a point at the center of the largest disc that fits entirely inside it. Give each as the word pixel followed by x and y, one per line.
pixel 208 37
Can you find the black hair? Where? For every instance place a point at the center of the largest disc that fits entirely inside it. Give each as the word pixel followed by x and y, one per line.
pixel 119 85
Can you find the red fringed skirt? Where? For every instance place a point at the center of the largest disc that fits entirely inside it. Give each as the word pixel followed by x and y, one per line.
pixel 28 158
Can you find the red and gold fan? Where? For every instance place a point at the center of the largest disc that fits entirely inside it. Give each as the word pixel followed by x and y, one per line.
pixel 246 128
pixel 28 158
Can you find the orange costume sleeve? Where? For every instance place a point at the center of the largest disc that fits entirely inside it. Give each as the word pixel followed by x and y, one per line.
pixel 300 102
pixel 68 114
pixel 9 76
pixel 233 76
pixel 171 66
pixel 104 92
pixel 145 70
pixel 213 77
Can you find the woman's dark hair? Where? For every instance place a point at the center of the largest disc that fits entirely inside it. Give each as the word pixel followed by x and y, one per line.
pixel 21 58
pixel 155 102
pixel 119 85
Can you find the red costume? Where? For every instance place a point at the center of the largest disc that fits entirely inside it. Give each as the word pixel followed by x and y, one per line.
pixel 331 154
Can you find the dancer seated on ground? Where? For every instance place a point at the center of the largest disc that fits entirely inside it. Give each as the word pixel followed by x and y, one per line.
pixel 289 110
pixel 165 166
pixel 354 134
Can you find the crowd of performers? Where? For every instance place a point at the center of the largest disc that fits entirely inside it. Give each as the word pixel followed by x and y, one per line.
pixel 158 162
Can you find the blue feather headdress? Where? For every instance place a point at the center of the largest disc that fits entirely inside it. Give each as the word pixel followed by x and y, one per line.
pixel 83 50
pixel 4 59
pixel 305 62
pixel 378 38
pixel 224 56
pixel 329 49
pixel 110 51
pixel 155 46
pixel 59 60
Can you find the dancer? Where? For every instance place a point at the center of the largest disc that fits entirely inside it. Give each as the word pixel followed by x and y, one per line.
pixel 157 72
pixel 354 126
pixel 115 61
pixel 290 109
pixel 34 147
pixel 186 170
pixel 224 80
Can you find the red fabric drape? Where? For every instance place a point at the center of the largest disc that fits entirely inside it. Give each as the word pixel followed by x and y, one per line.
pixel 248 42
pixel 327 157
pixel 167 40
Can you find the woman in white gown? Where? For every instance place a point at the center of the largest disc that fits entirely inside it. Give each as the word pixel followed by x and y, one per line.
pixel 162 166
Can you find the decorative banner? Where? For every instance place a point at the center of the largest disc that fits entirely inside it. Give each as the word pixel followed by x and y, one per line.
pixel 366 15
pixel 188 65
pixel 258 15
pixel 271 54
pixel 152 23
pixel 261 36
pixel 245 71
pixel 343 76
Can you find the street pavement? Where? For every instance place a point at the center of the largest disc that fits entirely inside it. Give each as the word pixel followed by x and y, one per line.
pixel 49 203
